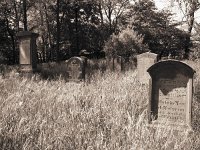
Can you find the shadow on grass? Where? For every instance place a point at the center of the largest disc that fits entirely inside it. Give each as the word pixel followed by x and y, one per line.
pixel 8 143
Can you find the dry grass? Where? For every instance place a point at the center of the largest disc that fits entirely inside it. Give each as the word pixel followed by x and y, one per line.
pixel 107 113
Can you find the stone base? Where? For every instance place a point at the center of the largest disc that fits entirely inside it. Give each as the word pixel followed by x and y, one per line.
pixel 170 125
pixel 27 69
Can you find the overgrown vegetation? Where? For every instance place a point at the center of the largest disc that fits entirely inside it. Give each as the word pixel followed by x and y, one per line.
pixel 109 112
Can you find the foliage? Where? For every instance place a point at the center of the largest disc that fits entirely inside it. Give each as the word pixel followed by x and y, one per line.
pixel 79 26
pixel 113 11
pixel 189 7
pixel 68 26
pixel 6 53
pixel 161 36
pixel 126 43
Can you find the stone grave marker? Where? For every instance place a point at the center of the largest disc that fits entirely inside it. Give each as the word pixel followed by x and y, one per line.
pixel 119 63
pixel 144 61
pixel 27 51
pixel 116 63
pixel 171 92
pixel 76 69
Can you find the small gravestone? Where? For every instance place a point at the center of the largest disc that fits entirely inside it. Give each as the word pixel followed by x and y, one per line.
pixel 171 93
pixel 76 69
pixel 144 61
pixel 116 63
pixel 119 63
pixel 27 51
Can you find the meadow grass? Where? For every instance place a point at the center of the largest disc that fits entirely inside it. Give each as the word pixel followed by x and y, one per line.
pixel 107 113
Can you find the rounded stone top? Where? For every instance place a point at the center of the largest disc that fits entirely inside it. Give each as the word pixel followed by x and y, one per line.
pixel 147 54
pixel 170 66
pixel 75 58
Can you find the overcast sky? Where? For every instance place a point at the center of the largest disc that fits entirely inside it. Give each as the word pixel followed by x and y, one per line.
pixel 179 15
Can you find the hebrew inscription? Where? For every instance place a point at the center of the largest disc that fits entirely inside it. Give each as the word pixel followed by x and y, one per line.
pixel 75 69
pixel 171 94
pixel 172 100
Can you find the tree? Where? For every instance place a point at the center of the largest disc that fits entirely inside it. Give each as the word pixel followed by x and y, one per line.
pixel 189 7
pixel 7 54
pixel 113 10
pixel 58 28
pixel 25 15
pixel 7 29
pixel 161 36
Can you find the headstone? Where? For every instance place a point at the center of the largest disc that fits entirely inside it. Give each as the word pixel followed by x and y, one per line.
pixel 119 63
pixel 116 63
pixel 76 69
pixel 27 51
pixel 171 92
pixel 144 61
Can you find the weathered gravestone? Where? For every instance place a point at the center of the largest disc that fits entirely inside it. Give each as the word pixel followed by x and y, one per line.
pixel 171 93
pixel 76 69
pixel 27 51
pixel 144 61
pixel 117 63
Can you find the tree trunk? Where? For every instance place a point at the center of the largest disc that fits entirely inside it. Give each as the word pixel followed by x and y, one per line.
pixel 16 16
pixel 101 14
pixel 190 27
pixel 25 15
pixel 42 35
pixel 13 40
pixel 58 29
pixel 76 26
pixel 48 27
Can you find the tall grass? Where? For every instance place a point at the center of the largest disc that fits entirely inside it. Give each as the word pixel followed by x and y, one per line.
pixel 109 113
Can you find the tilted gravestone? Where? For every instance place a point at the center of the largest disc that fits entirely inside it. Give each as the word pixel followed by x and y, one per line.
pixel 171 92
pixel 27 51
pixel 76 69
pixel 144 61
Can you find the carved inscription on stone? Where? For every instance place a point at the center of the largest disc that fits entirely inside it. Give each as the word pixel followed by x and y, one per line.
pixel 75 69
pixel 171 91
pixel 172 95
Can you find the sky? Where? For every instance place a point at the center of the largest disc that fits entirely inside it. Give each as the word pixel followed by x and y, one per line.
pixel 178 14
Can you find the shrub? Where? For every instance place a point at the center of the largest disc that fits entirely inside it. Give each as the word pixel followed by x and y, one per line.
pixel 126 43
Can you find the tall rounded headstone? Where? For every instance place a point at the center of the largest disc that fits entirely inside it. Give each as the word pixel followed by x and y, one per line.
pixel 171 92
pixel 27 51
pixel 76 69
pixel 144 61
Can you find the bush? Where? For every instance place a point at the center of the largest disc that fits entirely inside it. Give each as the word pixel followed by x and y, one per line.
pixel 126 43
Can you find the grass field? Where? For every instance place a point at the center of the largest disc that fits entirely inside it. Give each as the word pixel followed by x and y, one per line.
pixel 108 113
